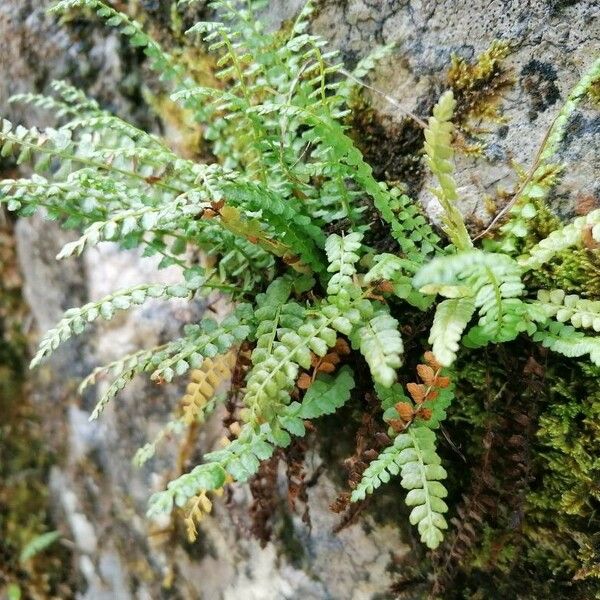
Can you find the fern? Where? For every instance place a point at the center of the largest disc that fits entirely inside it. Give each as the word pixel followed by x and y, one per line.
pixel 241 458
pixel 76 319
pixel 439 153
pixel 284 223
pixel 451 318
pixel 492 281
pixel 342 254
pixel 380 343
pixel 203 385
pixel 566 340
pixel 561 239
pixel 413 454
pixel 582 313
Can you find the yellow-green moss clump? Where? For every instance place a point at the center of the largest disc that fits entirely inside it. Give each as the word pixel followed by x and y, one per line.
pixel 479 86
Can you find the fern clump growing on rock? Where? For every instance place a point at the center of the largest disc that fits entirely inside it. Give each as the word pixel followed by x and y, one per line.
pixel 285 210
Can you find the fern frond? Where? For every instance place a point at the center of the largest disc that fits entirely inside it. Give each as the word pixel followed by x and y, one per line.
pixel 241 458
pixel 420 240
pixel 380 342
pixel 414 455
pixel 274 373
pixel 421 475
pixel 148 450
pixel 342 254
pixel 205 340
pixel 76 319
pixel 203 385
pixel 581 312
pixel 428 401
pixel 296 229
pixel 576 95
pixel 492 280
pixel 439 153
pixel 566 340
pixel 162 62
pixel 399 272
pixel 526 205
pixel 325 131
pixel 196 510
pixel 380 470
pixel 561 239
pixel 451 318
pixel 326 394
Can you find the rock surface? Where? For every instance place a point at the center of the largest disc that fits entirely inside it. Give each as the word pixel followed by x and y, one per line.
pixel 552 45
pixel 100 497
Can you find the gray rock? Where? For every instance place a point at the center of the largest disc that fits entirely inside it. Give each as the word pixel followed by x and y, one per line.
pixel 553 43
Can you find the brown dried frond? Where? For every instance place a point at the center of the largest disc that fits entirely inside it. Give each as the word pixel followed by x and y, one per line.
pixel 426 373
pixel 198 508
pixel 417 391
pixel 421 393
pixel 304 381
pixel 296 474
pixel 203 385
pixel 263 487
pixel 326 364
pixel 371 438
pixel 405 410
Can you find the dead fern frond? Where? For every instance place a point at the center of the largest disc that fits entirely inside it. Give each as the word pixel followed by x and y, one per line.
pixel 204 383
pixel 426 396
pixel 199 507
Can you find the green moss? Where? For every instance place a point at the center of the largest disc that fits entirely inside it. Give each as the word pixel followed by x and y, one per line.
pixel 479 86
pixel 541 538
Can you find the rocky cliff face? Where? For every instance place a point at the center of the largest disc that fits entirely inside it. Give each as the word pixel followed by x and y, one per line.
pixel 99 497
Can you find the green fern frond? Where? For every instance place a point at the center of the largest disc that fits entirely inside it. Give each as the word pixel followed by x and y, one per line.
pixel 413 454
pixel 566 340
pixel 205 340
pixel 241 458
pixel 439 153
pixel 160 60
pixel 76 319
pixel 380 342
pixel 492 280
pixel 342 254
pixel 566 237
pixel 581 312
pixel 451 318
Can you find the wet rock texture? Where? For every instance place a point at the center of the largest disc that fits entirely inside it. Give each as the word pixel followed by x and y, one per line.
pixel 99 496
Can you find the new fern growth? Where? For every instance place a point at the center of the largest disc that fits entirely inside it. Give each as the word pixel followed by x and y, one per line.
pixel 285 215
